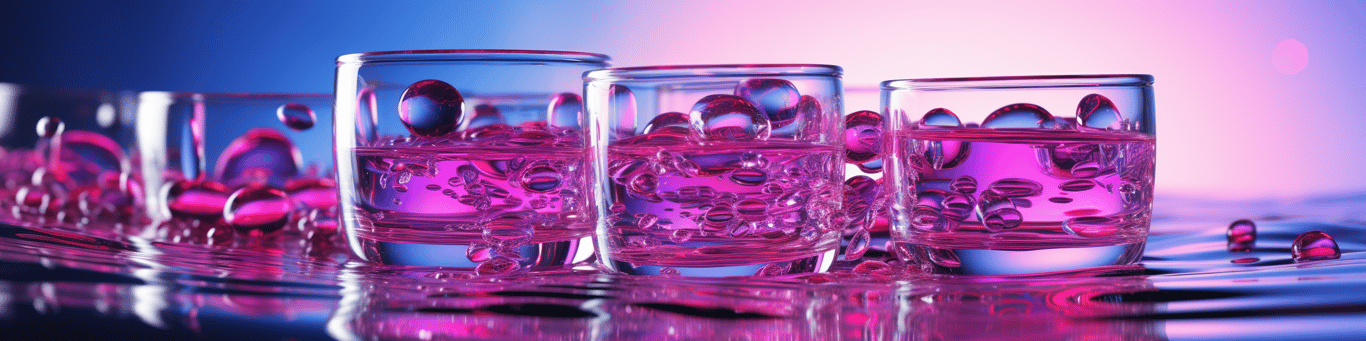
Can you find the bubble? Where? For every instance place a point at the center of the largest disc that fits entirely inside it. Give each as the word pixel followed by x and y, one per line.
pixel 777 99
pixel 1245 260
pixel 84 156
pixel 964 184
pixel 313 193
pixel 939 118
pixel 623 108
pixel 681 236
pixel 188 199
pixel 871 267
pixel 467 173
pixel 645 221
pixel 1242 235
pixel 507 234
pixel 770 270
pixel 751 209
pixel 997 212
pixel 1096 111
pixel 956 207
pixel 1019 115
pixel 566 111
pixel 1060 200
pixel 727 117
pixel 807 108
pixel 748 176
pixel 486 121
pixel 643 187
pixel 858 245
pixel 260 155
pixel 49 126
pixel 1314 245
pixel 401 189
pixel 862 136
pixel 1016 187
pixel 1077 185
pixel 1092 227
pixel 940 154
pixel 542 179
pixel 296 116
pixel 718 218
pixel 431 108
pixel 496 266
pixel 257 210
pixel 669 272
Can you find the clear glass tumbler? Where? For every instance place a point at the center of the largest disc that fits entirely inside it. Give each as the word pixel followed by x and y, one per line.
pixel 717 171
pixel 465 159
pixel 1020 175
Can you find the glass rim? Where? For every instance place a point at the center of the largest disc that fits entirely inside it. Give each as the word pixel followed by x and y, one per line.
pixel 712 70
pixel 1019 82
pixel 473 55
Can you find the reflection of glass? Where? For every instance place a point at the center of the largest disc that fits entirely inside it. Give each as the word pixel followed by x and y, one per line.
pixel 1017 175
pixel 1042 309
pixel 469 159
pixel 727 170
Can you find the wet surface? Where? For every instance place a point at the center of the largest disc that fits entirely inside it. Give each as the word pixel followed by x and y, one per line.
pixel 65 285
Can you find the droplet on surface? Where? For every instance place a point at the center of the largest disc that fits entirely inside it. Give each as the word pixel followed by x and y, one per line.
pixel 858 245
pixel 1019 115
pixel 565 111
pixel 49 126
pixel 431 108
pixel 862 136
pixel 939 118
pixel 1098 112
pixel 728 118
pixel 1314 245
pixel 296 116
pixel 777 99
pixel 542 179
pixel 257 210
pixel 1242 235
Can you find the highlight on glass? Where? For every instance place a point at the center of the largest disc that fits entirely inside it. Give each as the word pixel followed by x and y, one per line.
pixel 1020 175
pixel 717 170
pixel 465 159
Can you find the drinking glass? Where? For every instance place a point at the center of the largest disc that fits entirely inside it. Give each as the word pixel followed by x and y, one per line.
pixel 1020 175
pixel 717 170
pixel 464 159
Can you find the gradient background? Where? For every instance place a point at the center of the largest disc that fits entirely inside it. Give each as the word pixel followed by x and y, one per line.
pixel 1256 99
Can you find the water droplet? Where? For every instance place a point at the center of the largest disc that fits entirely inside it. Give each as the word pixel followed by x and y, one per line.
pixel 485 122
pixel 748 177
pixel 1092 227
pixel 542 179
pixel 431 108
pixel 1242 235
pixel 261 155
pixel 858 245
pixel 467 173
pixel 1060 200
pixel 681 236
pixel 964 184
pixel 479 252
pixel 668 272
pixel 727 117
pixel 942 154
pixel 188 199
pixel 257 210
pixel 862 136
pixel 871 267
pixel 770 270
pixel 433 187
pixel 296 116
pixel 496 266
pixel 1096 111
pixel 1077 185
pixel 718 218
pixel 49 126
pixel 1245 260
pixel 808 109
pixel 1314 245
pixel 669 123
pixel 777 99
pixel 939 118
pixel 1016 187
pixel 1020 115
pixel 566 111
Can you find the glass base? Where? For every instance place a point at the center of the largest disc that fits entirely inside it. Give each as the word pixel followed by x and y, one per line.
pixel 807 264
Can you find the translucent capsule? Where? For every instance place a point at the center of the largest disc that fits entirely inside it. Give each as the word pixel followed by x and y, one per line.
pixel 431 108
pixel 1242 235
pixel 681 236
pixel 1098 112
pixel 262 155
pixel 496 266
pixel 565 111
pixel 257 210
pixel 777 99
pixel 858 245
pixel 727 118
pixel 1019 115
pixel 296 116
pixel 1314 245
pixel 872 267
pixel 49 126
pixel 862 136
pixel 1077 185
pixel 1092 227
pixel 939 118
pixel 187 199
pixel 748 176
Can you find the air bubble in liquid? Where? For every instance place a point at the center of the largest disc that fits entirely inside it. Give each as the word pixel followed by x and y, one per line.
pixel 1098 112
pixel 939 118
pixel 1019 115
pixel 1314 245
pixel 431 108
pixel 257 210
pixel 718 218
pixel 669 123
pixel 542 179
pixel 296 116
pixel 858 245
pixel 964 184
pixel 190 199
pixel 1015 188
pixel 862 136
pixel 496 266
pixel 777 99
pixel 681 236
pixel 748 177
pixel 1091 227
pixel 1242 235
pixel 727 118
pixel 751 209
pixel 1077 185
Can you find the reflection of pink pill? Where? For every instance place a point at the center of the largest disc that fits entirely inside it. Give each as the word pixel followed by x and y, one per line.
pixel 1289 57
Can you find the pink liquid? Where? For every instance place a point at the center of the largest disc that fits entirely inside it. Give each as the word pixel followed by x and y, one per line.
pixel 1049 200
pixel 721 204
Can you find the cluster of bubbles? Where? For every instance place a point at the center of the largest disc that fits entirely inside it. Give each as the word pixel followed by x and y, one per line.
pixel 71 179
pixel 1308 246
